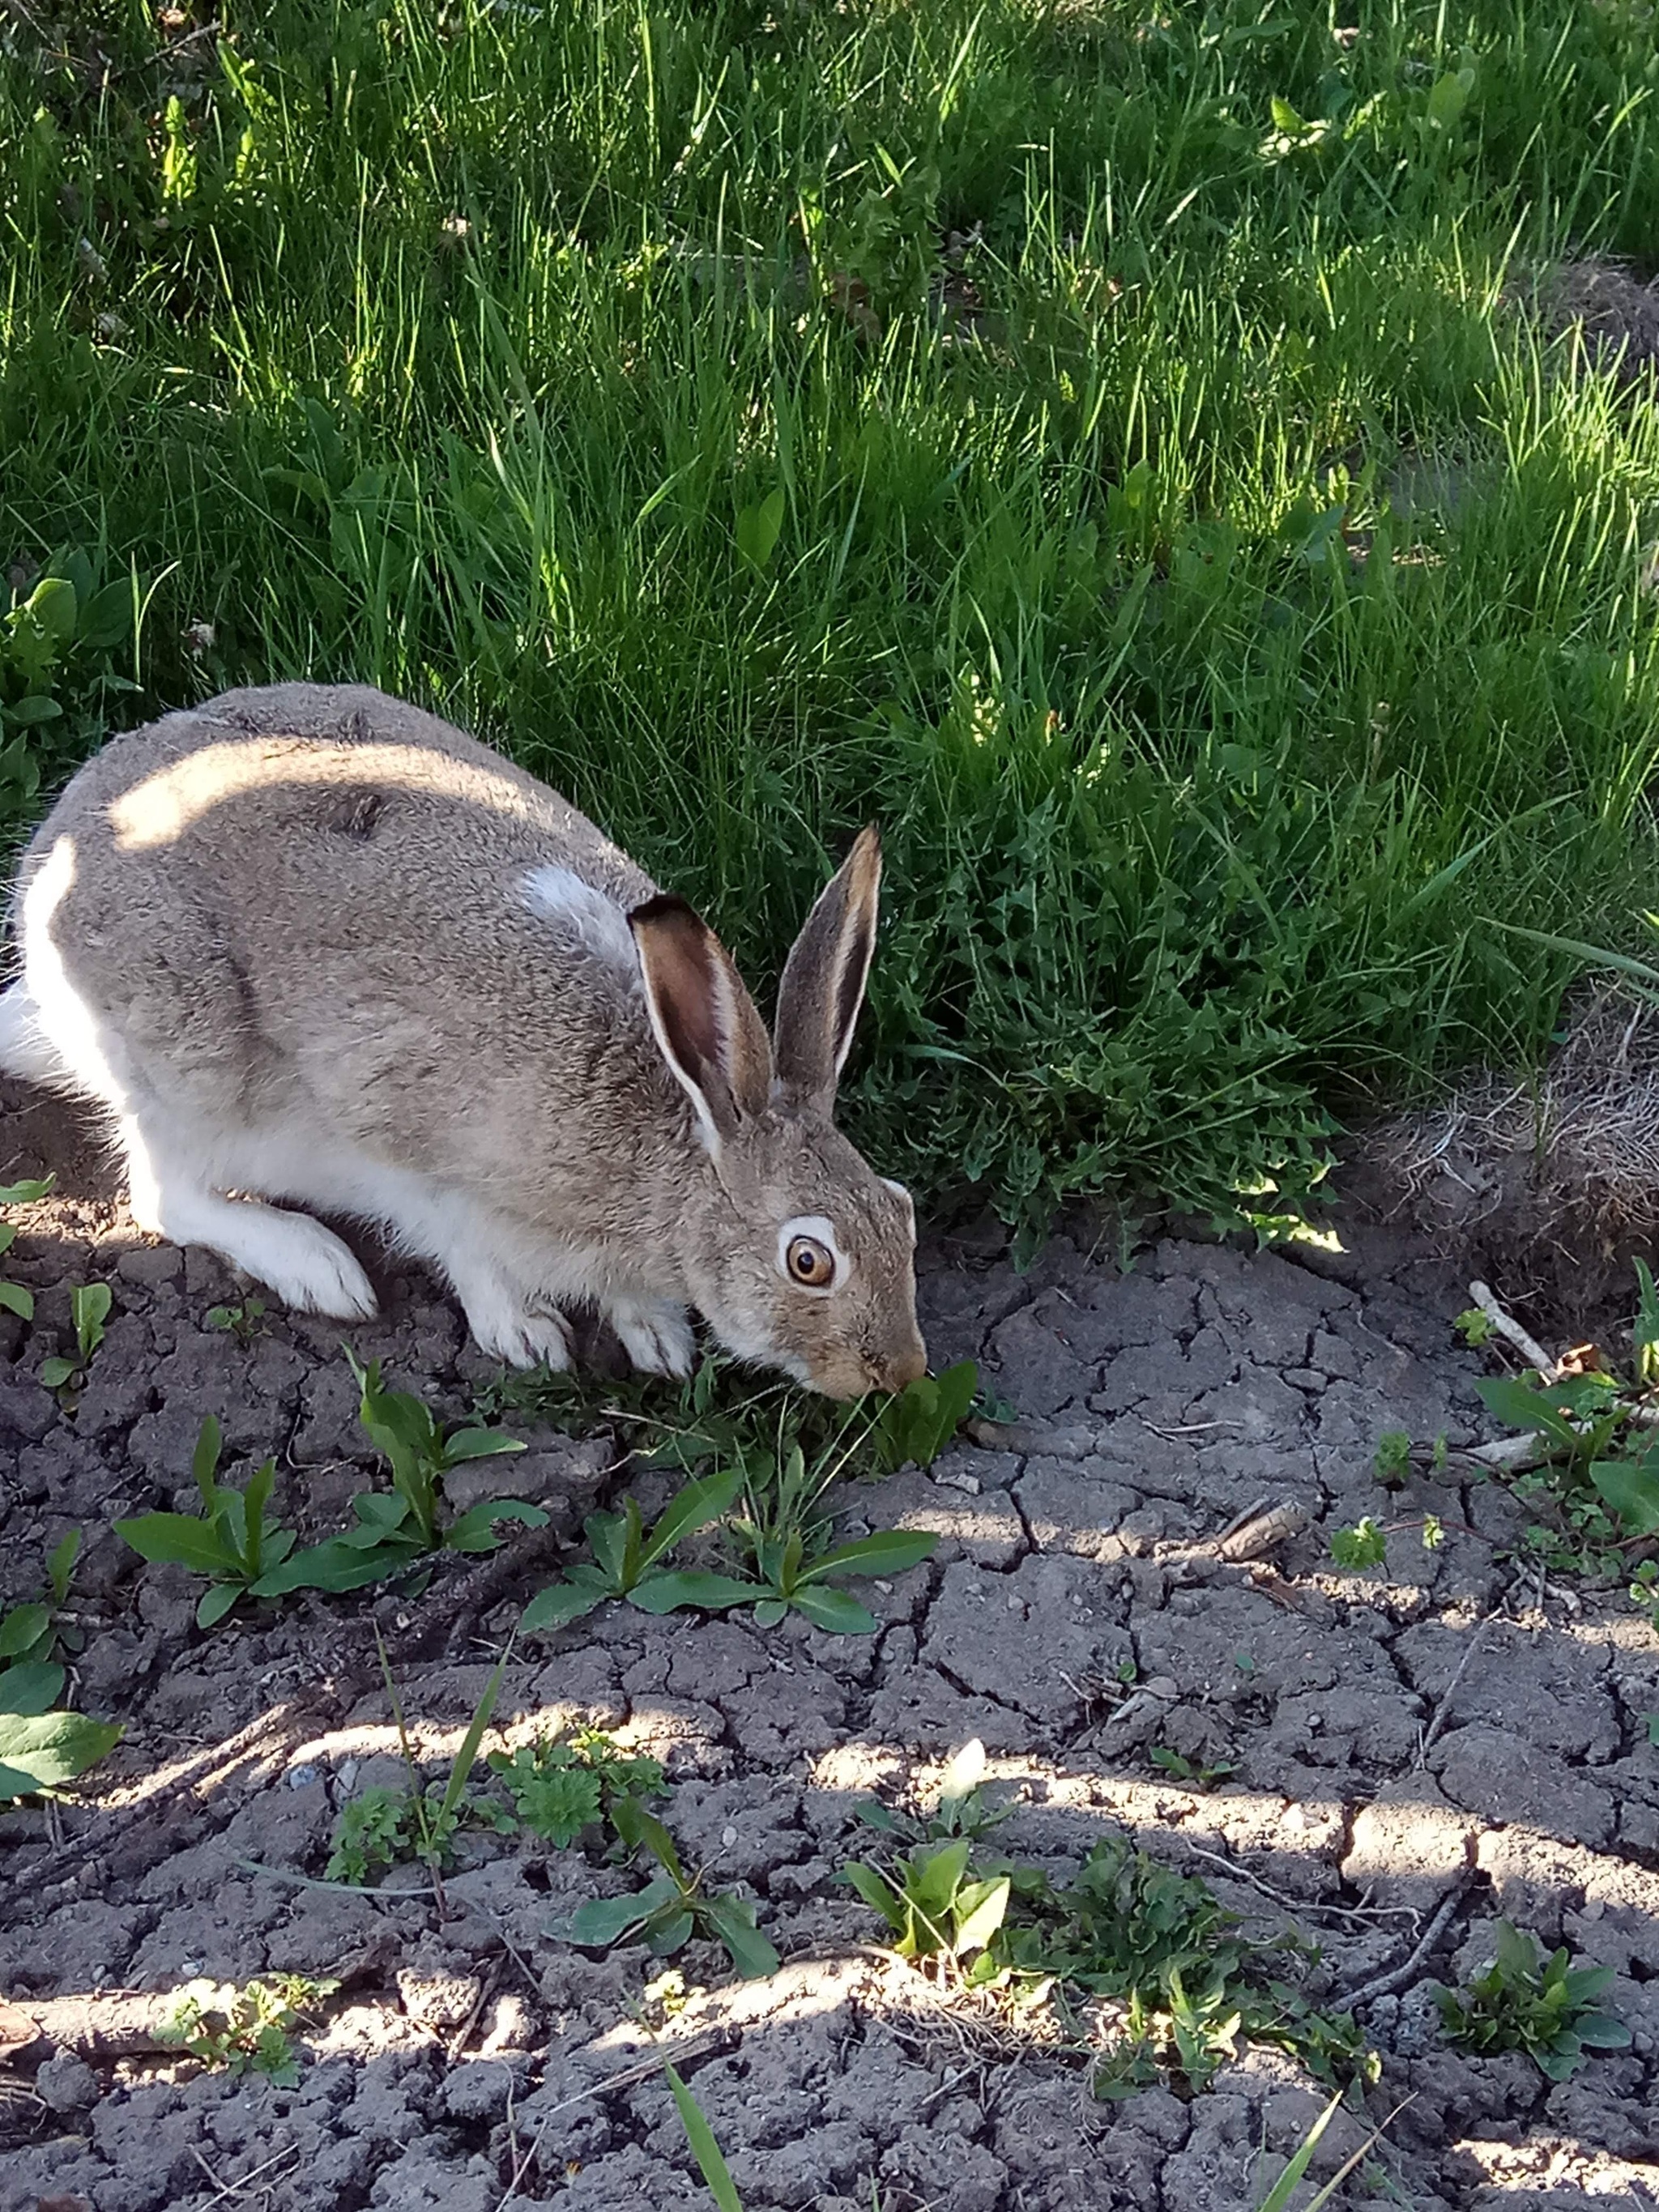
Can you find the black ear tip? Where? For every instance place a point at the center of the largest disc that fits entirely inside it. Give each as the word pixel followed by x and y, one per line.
pixel 664 905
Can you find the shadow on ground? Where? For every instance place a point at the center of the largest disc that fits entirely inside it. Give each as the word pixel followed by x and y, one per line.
pixel 1438 1733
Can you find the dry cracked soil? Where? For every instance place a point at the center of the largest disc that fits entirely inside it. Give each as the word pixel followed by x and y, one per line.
pixel 1420 1748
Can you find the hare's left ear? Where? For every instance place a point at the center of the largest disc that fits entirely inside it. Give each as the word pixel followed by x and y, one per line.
pixel 823 979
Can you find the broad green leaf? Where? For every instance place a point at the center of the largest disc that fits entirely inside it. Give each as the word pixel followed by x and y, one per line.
pixel 665 1934
pixel 1631 1487
pixel 770 1612
pixel 732 1919
pixel 642 1831
pixel 53 603
pixel 21 1628
pixel 560 1603
pixel 15 1299
pixel 44 1752
pixel 758 528
pixel 179 1538
pixel 27 1192
pixel 105 620
pixel 704 2148
pixel 1599 2031
pixel 666 1592
pixel 475 1529
pixel 878 1893
pixel 607 1535
pixel 936 1877
pixel 479 1444
pixel 603 1920
pixel 337 1565
pixel 217 1602
pixel 1286 119
pixel 983 1906
pixel 833 1610
pixel 1449 97
pixel 695 1507
pixel 890 1552
pixel 1522 1409
pixel 56 1370
pixel 33 1687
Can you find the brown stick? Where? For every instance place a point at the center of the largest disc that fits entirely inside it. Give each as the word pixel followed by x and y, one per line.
pixel 103 2024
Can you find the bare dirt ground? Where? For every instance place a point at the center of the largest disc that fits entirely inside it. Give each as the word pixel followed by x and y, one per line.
pixel 475 2061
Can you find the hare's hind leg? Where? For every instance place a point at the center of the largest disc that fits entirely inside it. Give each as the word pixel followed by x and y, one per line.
pixel 306 1265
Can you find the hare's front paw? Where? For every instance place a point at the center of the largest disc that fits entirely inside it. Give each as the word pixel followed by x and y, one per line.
pixel 656 1335
pixel 510 1331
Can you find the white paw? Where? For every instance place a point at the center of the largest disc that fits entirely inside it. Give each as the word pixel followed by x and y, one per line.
pixel 306 1265
pixel 514 1333
pixel 658 1338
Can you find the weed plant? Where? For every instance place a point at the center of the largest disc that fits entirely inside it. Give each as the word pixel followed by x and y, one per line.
pixel 1232 606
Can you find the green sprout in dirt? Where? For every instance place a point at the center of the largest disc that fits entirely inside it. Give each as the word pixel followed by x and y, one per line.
pixel 1474 1326
pixel 1195 1773
pixel 671 1908
pixel 243 1321
pixel 935 1907
pixel 628 1556
pixel 1187 1985
pixel 15 1297
pixel 380 1828
pixel 1521 2001
pixel 246 2030
pixel 42 1747
pixel 89 1308
pixel 232 1540
pixel 1366 1544
pixel 919 1421
pixel 959 1809
pixel 1392 1463
pixel 557 1790
pixel 784 1562
pixel 397 1530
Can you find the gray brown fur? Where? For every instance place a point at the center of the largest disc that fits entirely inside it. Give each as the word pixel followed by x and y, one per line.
pixel 296 922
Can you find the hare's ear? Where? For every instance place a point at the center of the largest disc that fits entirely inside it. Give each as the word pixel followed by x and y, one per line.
pixel 823 979
pixel 703 1019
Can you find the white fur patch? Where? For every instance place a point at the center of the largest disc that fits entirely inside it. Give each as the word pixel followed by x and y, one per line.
pixel 577 911
pixel 822 1231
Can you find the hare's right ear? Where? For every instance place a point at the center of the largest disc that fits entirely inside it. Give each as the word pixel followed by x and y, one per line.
pixel 704 1021
pixel 823 979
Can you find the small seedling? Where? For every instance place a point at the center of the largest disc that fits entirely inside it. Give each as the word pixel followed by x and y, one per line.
pixel 671 1908
pixel 918 1422
pixel 40 1748
pixel 231 1539
pixel 396 1530
pixel 1393 1461
pixel 1474 1326
pixel 243 1321
pixel 935 1907
pixel 381 1828
pixel 1520 2001
pixel 246 2031
pixel 1364 1545
pixel 89 1307
pixel 627 1554
pixel 960 1811
pixel 1191 1772
pixel 13 1296
pixel 1650 1722
pixel 558 1789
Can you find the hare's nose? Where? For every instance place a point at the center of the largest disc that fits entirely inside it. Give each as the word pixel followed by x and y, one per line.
pixel 903 1368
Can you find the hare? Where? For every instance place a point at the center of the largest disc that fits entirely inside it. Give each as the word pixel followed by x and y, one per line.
pixel 309 944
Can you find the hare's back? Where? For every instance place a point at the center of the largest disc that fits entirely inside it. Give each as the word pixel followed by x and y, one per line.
pixel 305 862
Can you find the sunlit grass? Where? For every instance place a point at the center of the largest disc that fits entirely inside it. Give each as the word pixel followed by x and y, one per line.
pixel 1234 624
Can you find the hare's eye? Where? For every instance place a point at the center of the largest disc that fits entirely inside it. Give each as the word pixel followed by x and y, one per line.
pixel 810 1262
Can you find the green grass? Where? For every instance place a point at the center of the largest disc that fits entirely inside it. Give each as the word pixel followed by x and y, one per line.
pixel 1199 829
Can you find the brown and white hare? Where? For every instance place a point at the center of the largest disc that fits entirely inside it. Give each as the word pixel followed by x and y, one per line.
pixel 309 944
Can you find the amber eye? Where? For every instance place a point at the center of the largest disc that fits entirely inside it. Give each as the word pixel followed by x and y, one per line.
pixel 809 1262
